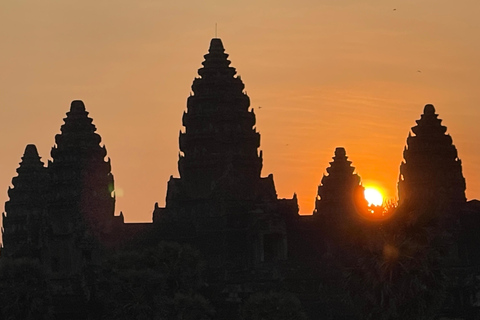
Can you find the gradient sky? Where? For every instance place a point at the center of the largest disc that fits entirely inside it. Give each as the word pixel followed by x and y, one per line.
pixel 348 73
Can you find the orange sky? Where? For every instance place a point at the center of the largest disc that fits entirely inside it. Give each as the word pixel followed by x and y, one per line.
pixel 326 74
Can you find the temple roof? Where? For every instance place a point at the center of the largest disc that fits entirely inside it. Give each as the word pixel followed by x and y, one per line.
pixel 429 124
pixel 30 156
pixel 77 133
pixel 81 178
pixel 429 109
pixel 216 63
pixel 30 151
pixel 340 184
pixel 216 45
pixel 31 179
pixel 77 106
pixel 340 163
pixel 220 143
pixel 30 159
pixel 340 173
pixel 431 161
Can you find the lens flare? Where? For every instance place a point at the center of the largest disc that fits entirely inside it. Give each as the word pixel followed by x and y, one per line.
pixel 373 196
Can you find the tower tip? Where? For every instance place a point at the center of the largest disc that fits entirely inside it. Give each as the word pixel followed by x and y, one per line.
pixel 31 151
pixel 340 152
pixel 216 45
pixel 429 109
pixel 77 106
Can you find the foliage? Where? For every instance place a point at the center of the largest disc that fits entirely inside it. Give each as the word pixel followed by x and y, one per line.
pixel 156 283
pixel 191 307
pixel 272 306
pixel 399 270
pixel 24 290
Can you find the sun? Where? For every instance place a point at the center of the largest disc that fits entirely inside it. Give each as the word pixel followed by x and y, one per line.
pixel 373 196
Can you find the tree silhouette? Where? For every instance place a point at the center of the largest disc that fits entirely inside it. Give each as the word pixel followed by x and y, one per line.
pixel 272 306
pixel 156 283
pixel 24 290
pixel 400 271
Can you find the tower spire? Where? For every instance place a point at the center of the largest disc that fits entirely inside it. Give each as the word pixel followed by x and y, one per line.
pixel 82 205
pixel 25 207
pixel 340 186
pixel 431 167
pixel 220 142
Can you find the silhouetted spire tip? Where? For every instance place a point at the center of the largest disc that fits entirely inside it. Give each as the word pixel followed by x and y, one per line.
pixel 77 106
pixel 31 151
pixel 340 152
pixel 216 45
pixel 429 109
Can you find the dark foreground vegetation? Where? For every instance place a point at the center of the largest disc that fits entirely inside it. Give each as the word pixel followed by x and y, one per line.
pixel 401 268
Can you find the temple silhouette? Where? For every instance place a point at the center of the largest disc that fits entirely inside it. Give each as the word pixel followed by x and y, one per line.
pixel 61 214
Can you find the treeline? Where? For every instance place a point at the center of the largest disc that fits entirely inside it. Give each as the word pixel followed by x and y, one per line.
pixel 165 282
pixel 402 268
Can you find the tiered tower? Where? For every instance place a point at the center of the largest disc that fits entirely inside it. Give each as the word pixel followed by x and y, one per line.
pixel 431 169
pixel 81 204
pixel 220 203
pixel 23 221
pixel 339 188
pixel 219 148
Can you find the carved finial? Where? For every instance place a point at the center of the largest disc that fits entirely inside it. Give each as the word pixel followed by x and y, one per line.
pixel 31 151
pixel 429 109
pixel 340 152
pixel 77 106
pixel 216 46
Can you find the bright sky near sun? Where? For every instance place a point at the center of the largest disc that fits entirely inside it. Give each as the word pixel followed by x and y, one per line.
pixel 325 73
pixel 373 196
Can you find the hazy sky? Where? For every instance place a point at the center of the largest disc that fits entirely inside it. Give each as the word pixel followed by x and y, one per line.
pixel 326 73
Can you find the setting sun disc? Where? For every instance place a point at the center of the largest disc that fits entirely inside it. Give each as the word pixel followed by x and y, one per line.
pixel 373 196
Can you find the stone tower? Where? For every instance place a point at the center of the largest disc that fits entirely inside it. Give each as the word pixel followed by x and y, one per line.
pixel 219 148
pixel 23 222
pixel 340 187
pixel 431 169
pixel 220 203
pixel 81 205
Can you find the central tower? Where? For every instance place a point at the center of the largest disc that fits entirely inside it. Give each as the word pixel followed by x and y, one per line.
pixel 219 147
pixel 220 203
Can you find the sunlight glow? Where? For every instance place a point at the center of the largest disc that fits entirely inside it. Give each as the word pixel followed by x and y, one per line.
pixel 373 196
